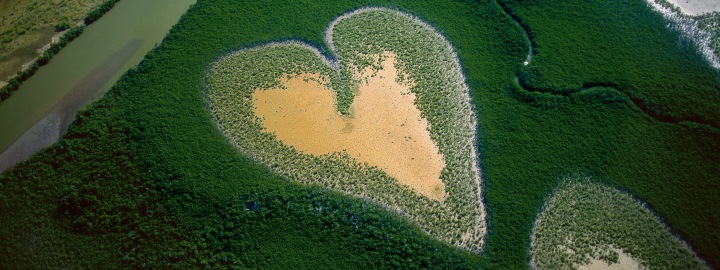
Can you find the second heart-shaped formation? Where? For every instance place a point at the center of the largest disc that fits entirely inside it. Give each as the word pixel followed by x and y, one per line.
pixel 390 120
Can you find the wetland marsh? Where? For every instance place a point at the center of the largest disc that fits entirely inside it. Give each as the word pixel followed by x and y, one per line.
pixel 175 167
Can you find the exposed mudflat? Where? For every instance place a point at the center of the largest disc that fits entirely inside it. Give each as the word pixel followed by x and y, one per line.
pixel 45 132
pixel 385 128
pixel 695 7
pixel 49 129
pixel 625 262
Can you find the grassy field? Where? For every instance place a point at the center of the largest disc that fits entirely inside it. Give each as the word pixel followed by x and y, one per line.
pixel 28 25
pixel 146 172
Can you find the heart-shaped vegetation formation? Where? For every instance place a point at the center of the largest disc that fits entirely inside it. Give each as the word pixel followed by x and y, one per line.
pixel 390 120
pixel 586 225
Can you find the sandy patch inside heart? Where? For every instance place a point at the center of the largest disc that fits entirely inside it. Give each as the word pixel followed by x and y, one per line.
pixel 625 262
pixel 385 128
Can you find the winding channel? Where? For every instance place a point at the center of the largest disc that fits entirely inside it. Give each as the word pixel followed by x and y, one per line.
pixel 637 102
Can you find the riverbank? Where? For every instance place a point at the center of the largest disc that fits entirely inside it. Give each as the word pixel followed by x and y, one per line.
pixel 10 61
pixel 704 35
pixel 43 133
pixel 81 73
pixel 27 26
pixel 50 128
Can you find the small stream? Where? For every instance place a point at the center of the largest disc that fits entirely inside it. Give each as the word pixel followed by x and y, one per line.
pixel 525 30
pixel 641 104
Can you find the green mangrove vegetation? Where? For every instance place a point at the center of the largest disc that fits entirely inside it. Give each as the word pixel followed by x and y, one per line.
pixel 144 178
pixel 358 38
pixel 622 62
pixel 583 220
pixel 624 54
pixel 96 13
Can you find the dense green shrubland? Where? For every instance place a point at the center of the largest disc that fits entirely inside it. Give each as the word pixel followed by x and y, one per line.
pixel 666 139
pixel 583 220
pixel 577 44
pixel 195 179
pixel 88 204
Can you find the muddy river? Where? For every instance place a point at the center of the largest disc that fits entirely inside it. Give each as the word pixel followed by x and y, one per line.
pixel 36 115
